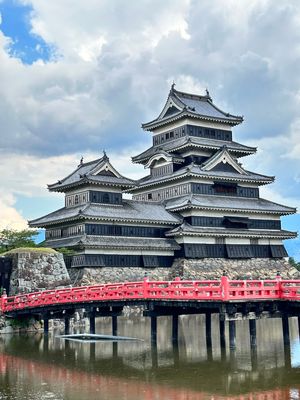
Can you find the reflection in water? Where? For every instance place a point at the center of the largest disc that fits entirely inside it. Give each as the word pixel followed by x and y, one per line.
pixel 37 367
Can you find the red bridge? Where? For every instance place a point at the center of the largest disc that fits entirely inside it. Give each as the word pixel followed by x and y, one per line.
pixel 228 298
pixel 221 291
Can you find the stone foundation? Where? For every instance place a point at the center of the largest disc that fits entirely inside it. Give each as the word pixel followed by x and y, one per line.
pixel 92 276
pixel 212 268
pixel 37 269
pixel 207 268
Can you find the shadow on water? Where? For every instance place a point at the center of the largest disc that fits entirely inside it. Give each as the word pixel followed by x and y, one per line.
pixel 188 366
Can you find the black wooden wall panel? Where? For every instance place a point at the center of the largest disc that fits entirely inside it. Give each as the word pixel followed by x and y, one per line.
pixel 105 197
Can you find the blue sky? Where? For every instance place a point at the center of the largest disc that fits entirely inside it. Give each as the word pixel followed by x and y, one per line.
pixel 77 77
pixel 15 25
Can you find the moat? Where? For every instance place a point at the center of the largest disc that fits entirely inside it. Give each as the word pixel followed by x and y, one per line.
pixel 34 366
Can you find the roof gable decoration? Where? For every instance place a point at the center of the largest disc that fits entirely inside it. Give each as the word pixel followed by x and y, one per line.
pixel 105 168
pixel 163 155
pixel 171 107
pixel 223 156
pixel 180 104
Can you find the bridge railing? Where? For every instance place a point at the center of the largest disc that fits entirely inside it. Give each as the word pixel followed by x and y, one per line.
pixel 210 290
pixel 254 289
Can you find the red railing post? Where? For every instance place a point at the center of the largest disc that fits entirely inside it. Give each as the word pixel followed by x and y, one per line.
pixel 145 287
pixel 3 301
pixel 278 279
pixel 224 287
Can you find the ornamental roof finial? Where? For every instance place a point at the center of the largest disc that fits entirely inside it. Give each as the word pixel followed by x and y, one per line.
pixel 81 161
pixel 105 155
pixel 207 92
pixel 173 85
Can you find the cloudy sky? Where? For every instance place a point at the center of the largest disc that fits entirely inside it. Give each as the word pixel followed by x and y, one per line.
pixel 81 76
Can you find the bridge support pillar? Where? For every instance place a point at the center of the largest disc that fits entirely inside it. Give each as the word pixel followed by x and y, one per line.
pixel 154 330
pixel 232 334
pixel 67 326
pixel 208 335
pixel 208 329
pixel 175 329
pixel 46 326
pixel 92 352
pixel 222 336
pixel 92 324
pixel 114 325
pixel 252 331
pixel 154 354
pixel 286 330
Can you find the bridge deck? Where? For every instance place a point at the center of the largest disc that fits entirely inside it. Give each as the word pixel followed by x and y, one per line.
pixel 177 291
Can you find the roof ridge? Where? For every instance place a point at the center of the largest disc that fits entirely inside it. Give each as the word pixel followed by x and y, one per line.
pixel 81 165
pixel 206 98
pixel 192 95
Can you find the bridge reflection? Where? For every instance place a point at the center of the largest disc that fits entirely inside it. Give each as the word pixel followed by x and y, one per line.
pixel 83 384
pixel 185 370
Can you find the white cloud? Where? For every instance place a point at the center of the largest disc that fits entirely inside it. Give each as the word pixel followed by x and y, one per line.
pixel 114 65
pixel 10 218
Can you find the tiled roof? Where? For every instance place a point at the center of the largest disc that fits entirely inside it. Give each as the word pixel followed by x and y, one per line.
pixel 193 141
pixel 194 170
pixel 84 174
pixel 240 204
pixel 116 242
pixel 187 229
pixel 130 210
pixel 191 105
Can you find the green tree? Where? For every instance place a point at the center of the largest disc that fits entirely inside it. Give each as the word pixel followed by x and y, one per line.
pixel 12 239
pixel 294 263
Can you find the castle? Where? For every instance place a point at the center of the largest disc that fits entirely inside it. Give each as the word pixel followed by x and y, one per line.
pixel 197 203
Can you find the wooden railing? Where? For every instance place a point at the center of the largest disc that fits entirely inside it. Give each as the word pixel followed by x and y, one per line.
pixel 184 290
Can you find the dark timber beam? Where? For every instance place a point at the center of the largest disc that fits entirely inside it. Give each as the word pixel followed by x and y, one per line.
pixel 208 336
pixel 252 332
pixel 67 325
pixel 232 334
pixel 154 330
pixel 208 329
pixel 92 324
pixel 175 329
pixel 114 325
pixel 286 330
pixel 46 325
pixel 154 354
pixel 222 336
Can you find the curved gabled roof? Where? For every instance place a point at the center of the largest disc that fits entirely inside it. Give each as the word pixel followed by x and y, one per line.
pixel 90 172
pixel 195 171
pixel 129 211
pixel 186 229
pixel 185 142
pixel 181 104
pixel 227 203
pixel 116 243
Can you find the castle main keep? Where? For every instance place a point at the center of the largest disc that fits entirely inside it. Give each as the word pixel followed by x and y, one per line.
pixel 197 205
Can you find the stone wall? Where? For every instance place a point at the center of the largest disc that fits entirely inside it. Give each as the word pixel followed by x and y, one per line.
pixel 207 268
pixel 212 268
pixel 35 270
pixel 91 276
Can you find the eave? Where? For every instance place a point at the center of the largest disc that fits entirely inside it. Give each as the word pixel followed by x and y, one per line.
pixel 149 126
pixel 80 218
pixel 85 181
pixel 202 177
pixel 225 232
pixel 190 206
pixel 107 243
pixel 189 143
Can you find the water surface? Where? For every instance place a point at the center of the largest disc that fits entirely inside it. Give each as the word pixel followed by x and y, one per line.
pixel 36 367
